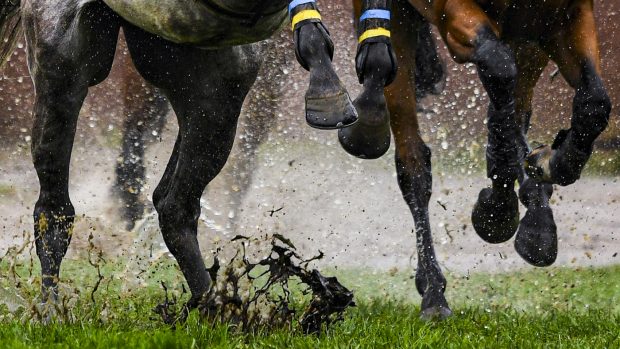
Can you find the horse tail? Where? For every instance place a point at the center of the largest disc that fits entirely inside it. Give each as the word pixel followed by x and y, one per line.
pixel 430 71
pixel 10 27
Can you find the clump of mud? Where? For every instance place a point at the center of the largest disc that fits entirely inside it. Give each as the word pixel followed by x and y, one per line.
pixel 252 293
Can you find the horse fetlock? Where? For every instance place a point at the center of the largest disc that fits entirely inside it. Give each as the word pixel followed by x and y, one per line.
pixel 561 163
pixel 376 61
pixel 53 231
pixel 429 277
pixel 375 57
pixel 535 194
pixel 314 48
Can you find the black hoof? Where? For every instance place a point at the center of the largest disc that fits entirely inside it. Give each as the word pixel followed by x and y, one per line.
pixel 331 112
pixel 434 307
pixel 435 313
pixel 537 240
pixel 369 138
pixel 496 216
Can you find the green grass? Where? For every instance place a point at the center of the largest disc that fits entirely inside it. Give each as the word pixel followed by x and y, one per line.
pixel 556 307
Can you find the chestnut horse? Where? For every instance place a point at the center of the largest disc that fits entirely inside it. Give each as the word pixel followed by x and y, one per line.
pixel 510 42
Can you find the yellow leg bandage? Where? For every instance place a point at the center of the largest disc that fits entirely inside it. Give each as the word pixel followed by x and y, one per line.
pixel 305 15
pixel 371 33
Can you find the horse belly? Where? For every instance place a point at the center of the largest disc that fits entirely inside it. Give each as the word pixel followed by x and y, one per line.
pixel 190 22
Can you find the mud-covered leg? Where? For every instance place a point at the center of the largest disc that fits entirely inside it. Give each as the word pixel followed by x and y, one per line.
pixel 206 91
pixel 376 67
pixel 575 49
pixel 536 239
pixel 328 105
pixel 145 111
pixel 61 79
pixel 413 165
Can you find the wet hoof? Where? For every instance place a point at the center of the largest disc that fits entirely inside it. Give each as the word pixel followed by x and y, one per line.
pixel 434 307
pixel 537 241
pixel 496 216
pixel 330 112
pixel 435 313
pixel 369 138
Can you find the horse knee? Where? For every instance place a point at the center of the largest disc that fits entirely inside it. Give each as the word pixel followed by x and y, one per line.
pixel 497 67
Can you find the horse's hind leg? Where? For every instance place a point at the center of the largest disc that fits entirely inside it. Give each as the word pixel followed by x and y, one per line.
pixel 63 64
pixel 206 89
pixel 575 49
pixel 145 110
pixel 536 240
pixel 413 166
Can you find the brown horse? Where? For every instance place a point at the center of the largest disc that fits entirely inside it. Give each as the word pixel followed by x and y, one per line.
pixel 510 43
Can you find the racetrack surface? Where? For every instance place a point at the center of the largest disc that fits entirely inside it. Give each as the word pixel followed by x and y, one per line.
pixel 350 209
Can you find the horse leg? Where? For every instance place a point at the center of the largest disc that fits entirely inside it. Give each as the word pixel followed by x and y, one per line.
pixel 536 239
pixel 206 89
pixel 413 165
pixel 576 51
pixel 64 63
pixel 472 37
pixel 328 105
pixel 145 111
pixel 376 67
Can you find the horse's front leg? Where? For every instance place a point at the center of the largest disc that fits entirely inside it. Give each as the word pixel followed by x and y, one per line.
pixel 63 64
pixel 576 51
pixel 206 89
pixel 472 37
pixel 376 67
pixel 328 105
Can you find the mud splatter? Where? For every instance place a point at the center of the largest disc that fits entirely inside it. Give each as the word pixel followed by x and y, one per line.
pixel 258 295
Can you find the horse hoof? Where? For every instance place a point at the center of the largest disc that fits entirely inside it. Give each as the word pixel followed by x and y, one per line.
pixel 496 216
pixel 537 164
pixel 370 137
pixel 331 112
pixel 537 240
pixel 435 313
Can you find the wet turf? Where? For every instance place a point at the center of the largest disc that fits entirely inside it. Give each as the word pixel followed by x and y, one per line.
pixel 557 307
